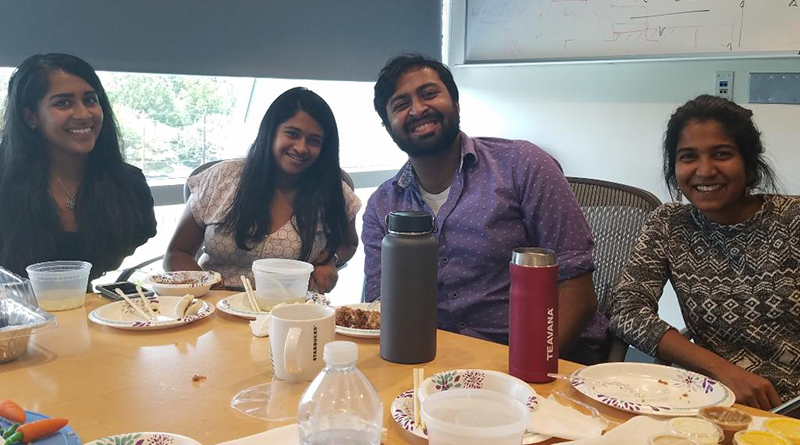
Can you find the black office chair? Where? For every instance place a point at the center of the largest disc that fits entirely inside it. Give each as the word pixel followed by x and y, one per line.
pixel 126 274
pixel 615 213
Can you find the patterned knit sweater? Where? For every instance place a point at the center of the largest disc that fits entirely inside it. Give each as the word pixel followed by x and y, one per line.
pixel 738 287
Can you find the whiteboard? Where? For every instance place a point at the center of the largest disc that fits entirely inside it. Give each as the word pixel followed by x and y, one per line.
pixel 536 30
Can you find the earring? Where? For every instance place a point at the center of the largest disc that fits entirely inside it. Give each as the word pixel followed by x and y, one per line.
pixel 678 196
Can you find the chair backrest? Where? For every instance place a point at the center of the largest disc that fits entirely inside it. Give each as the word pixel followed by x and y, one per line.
pixel 616 213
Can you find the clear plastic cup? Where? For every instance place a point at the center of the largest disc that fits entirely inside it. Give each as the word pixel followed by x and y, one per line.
pixel 59 285
pixel 474 417
pixel 753 437
pixel 730 419
pixel 704 432
pixel 788 428
pixel 280 281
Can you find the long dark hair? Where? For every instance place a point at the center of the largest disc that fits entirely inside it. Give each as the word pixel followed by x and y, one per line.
pixel 737 122
pixel 107 210
pixel 320 186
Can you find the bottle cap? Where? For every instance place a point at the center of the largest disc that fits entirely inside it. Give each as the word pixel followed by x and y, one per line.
pixel 409 221
pixel 340 353
pixel 533 257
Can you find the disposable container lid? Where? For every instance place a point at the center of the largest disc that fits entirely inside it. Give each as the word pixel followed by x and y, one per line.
pixel 696 429
pixel 752 437
pixel 340 353
pixel 282 266
pixel 432 401
pixel 20 314
pixel 789 428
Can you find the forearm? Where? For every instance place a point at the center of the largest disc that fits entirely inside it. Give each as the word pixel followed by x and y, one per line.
pixel 577 303
pixel 177 260
pixel 675 348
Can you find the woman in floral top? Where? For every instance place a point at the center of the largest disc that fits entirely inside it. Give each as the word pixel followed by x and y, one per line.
pixel 285 200
pixel 732 256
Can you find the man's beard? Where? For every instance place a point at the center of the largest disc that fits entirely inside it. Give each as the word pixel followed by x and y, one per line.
pixel 431 146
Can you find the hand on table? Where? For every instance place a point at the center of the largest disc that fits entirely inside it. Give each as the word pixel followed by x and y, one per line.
pixel 750 389
pixel 324 278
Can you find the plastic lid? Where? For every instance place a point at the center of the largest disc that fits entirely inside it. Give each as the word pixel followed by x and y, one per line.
pixel 751 437
pixel 282 266
pixel 340 353
pixel 669 439
pixel 409 221
pixel 697 429
pixel 59 268
pixel 789 428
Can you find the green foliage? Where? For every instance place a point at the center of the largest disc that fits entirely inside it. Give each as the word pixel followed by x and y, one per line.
pixel 170 120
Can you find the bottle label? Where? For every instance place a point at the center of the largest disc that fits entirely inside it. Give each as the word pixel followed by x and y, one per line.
pixel 550 333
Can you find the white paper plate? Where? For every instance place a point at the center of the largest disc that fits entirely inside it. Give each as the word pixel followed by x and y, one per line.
pixel 238 305
pixel 662 390
pixel 360 333
pixel 403 413
pixel 285 435
pixel 145 439
pixel 119 314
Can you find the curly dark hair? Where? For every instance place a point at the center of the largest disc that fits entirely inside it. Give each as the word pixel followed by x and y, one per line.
pixel 396 67
pixel 737 122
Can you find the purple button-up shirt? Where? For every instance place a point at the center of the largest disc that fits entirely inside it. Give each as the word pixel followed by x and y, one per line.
pixel 506 194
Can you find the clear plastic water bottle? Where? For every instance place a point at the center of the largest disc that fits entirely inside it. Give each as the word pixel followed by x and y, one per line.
pixel 340 407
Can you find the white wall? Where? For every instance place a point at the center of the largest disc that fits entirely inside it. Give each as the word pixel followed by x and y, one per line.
pixel 606 120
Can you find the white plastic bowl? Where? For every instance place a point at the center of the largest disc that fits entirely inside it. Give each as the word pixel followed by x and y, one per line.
pixel 479 379
pixel 59 285
pixel 474 417
pixel 280 280
pixel 179 283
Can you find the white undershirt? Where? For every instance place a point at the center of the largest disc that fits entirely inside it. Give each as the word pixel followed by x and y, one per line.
pixel 434 201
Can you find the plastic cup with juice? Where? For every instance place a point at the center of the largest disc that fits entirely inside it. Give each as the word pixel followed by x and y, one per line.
pixel 731 420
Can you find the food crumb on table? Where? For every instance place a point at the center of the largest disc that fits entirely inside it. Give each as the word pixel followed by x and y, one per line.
pixel 198 378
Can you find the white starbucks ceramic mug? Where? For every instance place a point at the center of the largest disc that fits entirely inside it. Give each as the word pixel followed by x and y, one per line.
pixel 298 334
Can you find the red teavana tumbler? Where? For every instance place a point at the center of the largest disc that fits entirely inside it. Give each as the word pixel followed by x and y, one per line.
pixel 533 314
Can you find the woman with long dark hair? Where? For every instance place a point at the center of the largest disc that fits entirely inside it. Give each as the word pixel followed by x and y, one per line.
pixel 66 191
pixel 287 199
pixel 732 255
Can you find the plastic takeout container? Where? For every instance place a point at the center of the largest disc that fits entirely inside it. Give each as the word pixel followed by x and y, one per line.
pixel 281 281
pixel 20 316
pixel 702 431
pixel 788 428
pixel 754 437
pixel 474 417
pixel 59 285
pixel 730 419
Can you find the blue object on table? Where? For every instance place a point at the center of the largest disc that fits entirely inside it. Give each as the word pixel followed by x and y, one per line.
pixel 64 436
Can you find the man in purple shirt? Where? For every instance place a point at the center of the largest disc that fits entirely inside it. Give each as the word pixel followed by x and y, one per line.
pixel 489 197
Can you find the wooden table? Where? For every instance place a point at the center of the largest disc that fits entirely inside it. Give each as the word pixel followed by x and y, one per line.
pixel 109 381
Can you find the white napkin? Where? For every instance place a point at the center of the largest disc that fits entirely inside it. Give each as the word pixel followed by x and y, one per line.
pixel 260 326
pixel 285 435
pixel 554 419
pixel 636 431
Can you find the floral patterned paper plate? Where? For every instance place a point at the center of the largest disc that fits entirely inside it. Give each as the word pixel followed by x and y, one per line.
pixel 660 390
pixel 120 314
pixel 403 405
pixel 145 439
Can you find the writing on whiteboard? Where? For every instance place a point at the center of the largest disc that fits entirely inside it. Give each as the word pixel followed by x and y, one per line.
pixel 543 29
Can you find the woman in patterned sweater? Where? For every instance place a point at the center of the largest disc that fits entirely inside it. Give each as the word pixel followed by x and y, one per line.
pixel 732 256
